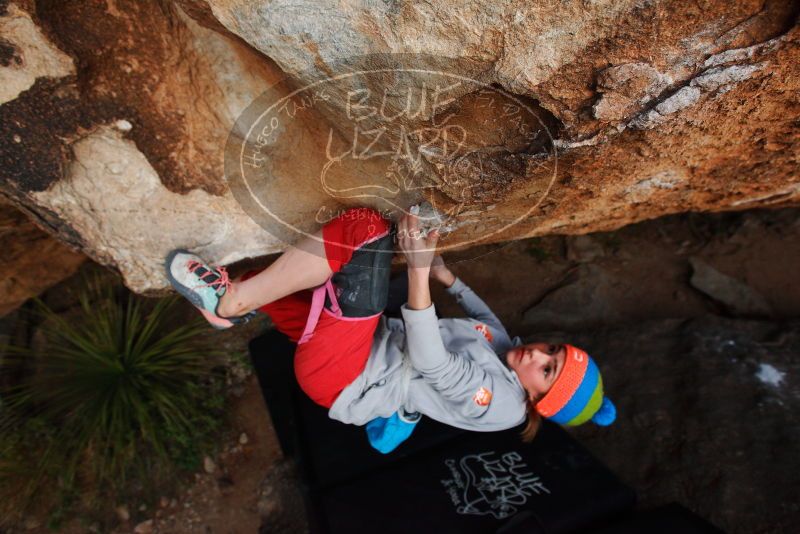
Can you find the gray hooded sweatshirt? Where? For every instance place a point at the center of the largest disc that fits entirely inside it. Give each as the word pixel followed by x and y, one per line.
pixel 447 369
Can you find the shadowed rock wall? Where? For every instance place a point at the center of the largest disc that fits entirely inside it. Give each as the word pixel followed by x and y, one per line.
pixel 33 259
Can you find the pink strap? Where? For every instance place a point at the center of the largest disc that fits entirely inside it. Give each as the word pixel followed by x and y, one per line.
pixel 317 303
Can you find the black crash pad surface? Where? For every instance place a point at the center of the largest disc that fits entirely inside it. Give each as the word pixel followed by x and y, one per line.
pixel 669 519
pixel 482 483
pixel 440 480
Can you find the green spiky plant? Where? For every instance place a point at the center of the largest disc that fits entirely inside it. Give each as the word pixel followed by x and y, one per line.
pixel 115 397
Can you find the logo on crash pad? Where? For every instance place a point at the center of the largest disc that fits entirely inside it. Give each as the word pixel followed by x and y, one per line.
pixel 491 484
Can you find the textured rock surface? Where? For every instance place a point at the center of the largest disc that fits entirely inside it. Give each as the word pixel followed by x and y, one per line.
pixel 26 54
pixel 737 296
pixel 154 99
pixel 32 260
pixel 644 109
pixel 135 207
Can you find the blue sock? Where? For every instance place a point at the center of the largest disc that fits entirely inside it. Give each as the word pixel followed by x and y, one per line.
pixel 386 433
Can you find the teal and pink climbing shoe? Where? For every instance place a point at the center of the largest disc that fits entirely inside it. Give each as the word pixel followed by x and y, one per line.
pixel 202 284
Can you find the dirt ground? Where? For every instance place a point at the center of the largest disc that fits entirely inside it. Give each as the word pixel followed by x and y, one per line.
pixel 237 493
pixel 705 381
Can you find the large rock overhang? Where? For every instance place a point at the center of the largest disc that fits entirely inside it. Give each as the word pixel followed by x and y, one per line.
pixel 113 132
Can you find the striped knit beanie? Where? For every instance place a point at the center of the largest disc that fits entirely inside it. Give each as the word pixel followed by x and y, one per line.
pixel 577 394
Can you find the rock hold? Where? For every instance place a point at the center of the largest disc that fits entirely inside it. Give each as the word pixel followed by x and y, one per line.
pixel 626 88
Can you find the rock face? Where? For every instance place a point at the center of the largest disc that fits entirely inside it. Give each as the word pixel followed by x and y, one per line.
pixel 33 260
pixel 116 158
pixel 23 43
pixel 514 119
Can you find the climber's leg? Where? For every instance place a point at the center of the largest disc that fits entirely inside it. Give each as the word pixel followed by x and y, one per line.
pixel 224 302
pixel 301 267
pixel 312 262
pixel 308 264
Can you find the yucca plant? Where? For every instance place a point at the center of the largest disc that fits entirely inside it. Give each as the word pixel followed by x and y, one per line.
pixel 114 395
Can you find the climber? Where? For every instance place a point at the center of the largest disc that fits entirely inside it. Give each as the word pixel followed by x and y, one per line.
pixel 367 369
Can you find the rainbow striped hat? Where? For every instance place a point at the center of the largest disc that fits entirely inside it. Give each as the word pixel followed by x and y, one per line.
pixel 577 394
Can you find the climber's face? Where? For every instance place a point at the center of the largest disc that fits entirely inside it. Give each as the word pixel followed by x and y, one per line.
pixel 537 365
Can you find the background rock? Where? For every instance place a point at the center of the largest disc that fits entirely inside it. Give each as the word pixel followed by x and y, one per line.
pixel 696 424
pixel 738 297
pixel 585 301
pixel 584 249
pixel 644 273
pixel 33 259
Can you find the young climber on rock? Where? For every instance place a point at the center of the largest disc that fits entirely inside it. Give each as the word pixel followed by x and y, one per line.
pixel 367 369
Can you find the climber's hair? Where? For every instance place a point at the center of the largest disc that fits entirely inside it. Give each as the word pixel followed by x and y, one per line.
pixel 534 421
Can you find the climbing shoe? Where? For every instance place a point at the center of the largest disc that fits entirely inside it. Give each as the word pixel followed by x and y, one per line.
pixel 202 284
